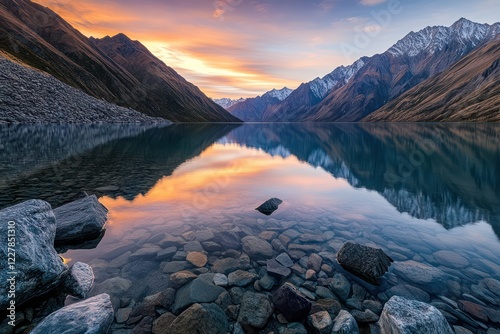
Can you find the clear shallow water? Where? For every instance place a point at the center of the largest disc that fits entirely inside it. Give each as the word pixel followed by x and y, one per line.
pixel 422 192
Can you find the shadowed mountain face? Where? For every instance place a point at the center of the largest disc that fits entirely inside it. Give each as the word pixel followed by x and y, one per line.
pixel 122 72
pixel 468 91
pixel 442 172
pixel 123 167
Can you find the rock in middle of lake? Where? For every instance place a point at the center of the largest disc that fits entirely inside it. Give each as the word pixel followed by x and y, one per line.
pixel 269 206
pixel 368 263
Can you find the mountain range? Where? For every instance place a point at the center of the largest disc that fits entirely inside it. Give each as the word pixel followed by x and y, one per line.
pixel 351 93
pixel 116 69
pixel 253 109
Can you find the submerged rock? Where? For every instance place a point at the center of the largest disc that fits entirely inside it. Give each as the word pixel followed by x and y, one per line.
pixel 291 303
pixel 256 309
pixel 200 319
pixel 344 323
pixel 81 219
pixel 404 316
pixel 91 316
pixel 269 206
pixel 257 248
pixel 368 263
pixel 196 291
pixel 276 269
pixel 38 267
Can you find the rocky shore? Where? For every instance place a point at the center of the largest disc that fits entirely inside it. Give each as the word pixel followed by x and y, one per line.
pixel 31 96
pixel 257 276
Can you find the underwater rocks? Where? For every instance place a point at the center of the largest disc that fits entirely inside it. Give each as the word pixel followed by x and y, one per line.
pixel 365 262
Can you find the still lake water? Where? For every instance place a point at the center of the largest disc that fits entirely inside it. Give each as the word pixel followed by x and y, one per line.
pixel 424 193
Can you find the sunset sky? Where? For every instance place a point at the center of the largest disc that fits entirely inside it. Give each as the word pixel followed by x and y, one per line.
pixel 243 48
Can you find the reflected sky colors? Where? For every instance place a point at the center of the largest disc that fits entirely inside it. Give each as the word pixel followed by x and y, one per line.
pixel 234 48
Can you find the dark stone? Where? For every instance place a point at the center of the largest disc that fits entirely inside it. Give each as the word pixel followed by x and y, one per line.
pixel 196 291
pixel 255 310
pixel 291 303
pixel 200 319
pixel 368 263
pixel 269 206
pixel 276 269
pixel 79 220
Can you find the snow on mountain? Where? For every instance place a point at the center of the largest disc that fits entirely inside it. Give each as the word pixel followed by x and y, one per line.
pixel 280 94
pixel 432 39
pixel 227 103
pixel 342 74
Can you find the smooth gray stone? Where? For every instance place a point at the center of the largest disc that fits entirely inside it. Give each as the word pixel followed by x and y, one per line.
pixel 206 319
pixel 433 279
pixel 81 219
pixel 314 262
pixel 166 253
pixel 80 280
pixel 293 328
pixel 196 291
pixel 404 316
pixel 37 264
pixel 221 280
pixel 284 260
pixel 269 206
pixel 267 282
pixel 175 266
pixel 91 316
pixel 241 278
pixel 255 310
pixel 340 286
pixel 368 263
pixel 257 248
pixel 344 323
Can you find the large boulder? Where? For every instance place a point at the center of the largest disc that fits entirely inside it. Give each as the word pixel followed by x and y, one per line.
pixel 269 206
pixel 257 248
pixel 28 229
pixel 291 303
pixel 200 319
pixel 255 310
pixel 81 219
pixel 91 316
pixel 368 263
pixel 404 316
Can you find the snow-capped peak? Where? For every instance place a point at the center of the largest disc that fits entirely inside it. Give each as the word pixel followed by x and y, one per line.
pixel 280 94
pixel 227 103
pixel 432 39
pixel 342 74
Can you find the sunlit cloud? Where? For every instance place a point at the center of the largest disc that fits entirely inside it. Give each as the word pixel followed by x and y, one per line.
pixel 235 48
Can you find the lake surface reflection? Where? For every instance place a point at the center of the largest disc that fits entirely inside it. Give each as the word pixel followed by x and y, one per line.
pixel 427 194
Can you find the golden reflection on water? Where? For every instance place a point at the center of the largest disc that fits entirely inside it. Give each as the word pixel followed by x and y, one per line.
pixel 223 177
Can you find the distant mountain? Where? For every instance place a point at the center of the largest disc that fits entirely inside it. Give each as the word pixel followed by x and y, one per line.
pixel 253 109
pixel 226 102
pixel 467 91
pixel 358 90
pixel 115 69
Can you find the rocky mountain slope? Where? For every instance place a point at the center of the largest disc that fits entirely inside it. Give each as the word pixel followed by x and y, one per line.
pixel 253 109
pixel 31 96
pixel 369 83
pixel 468 90
pixel 124 73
